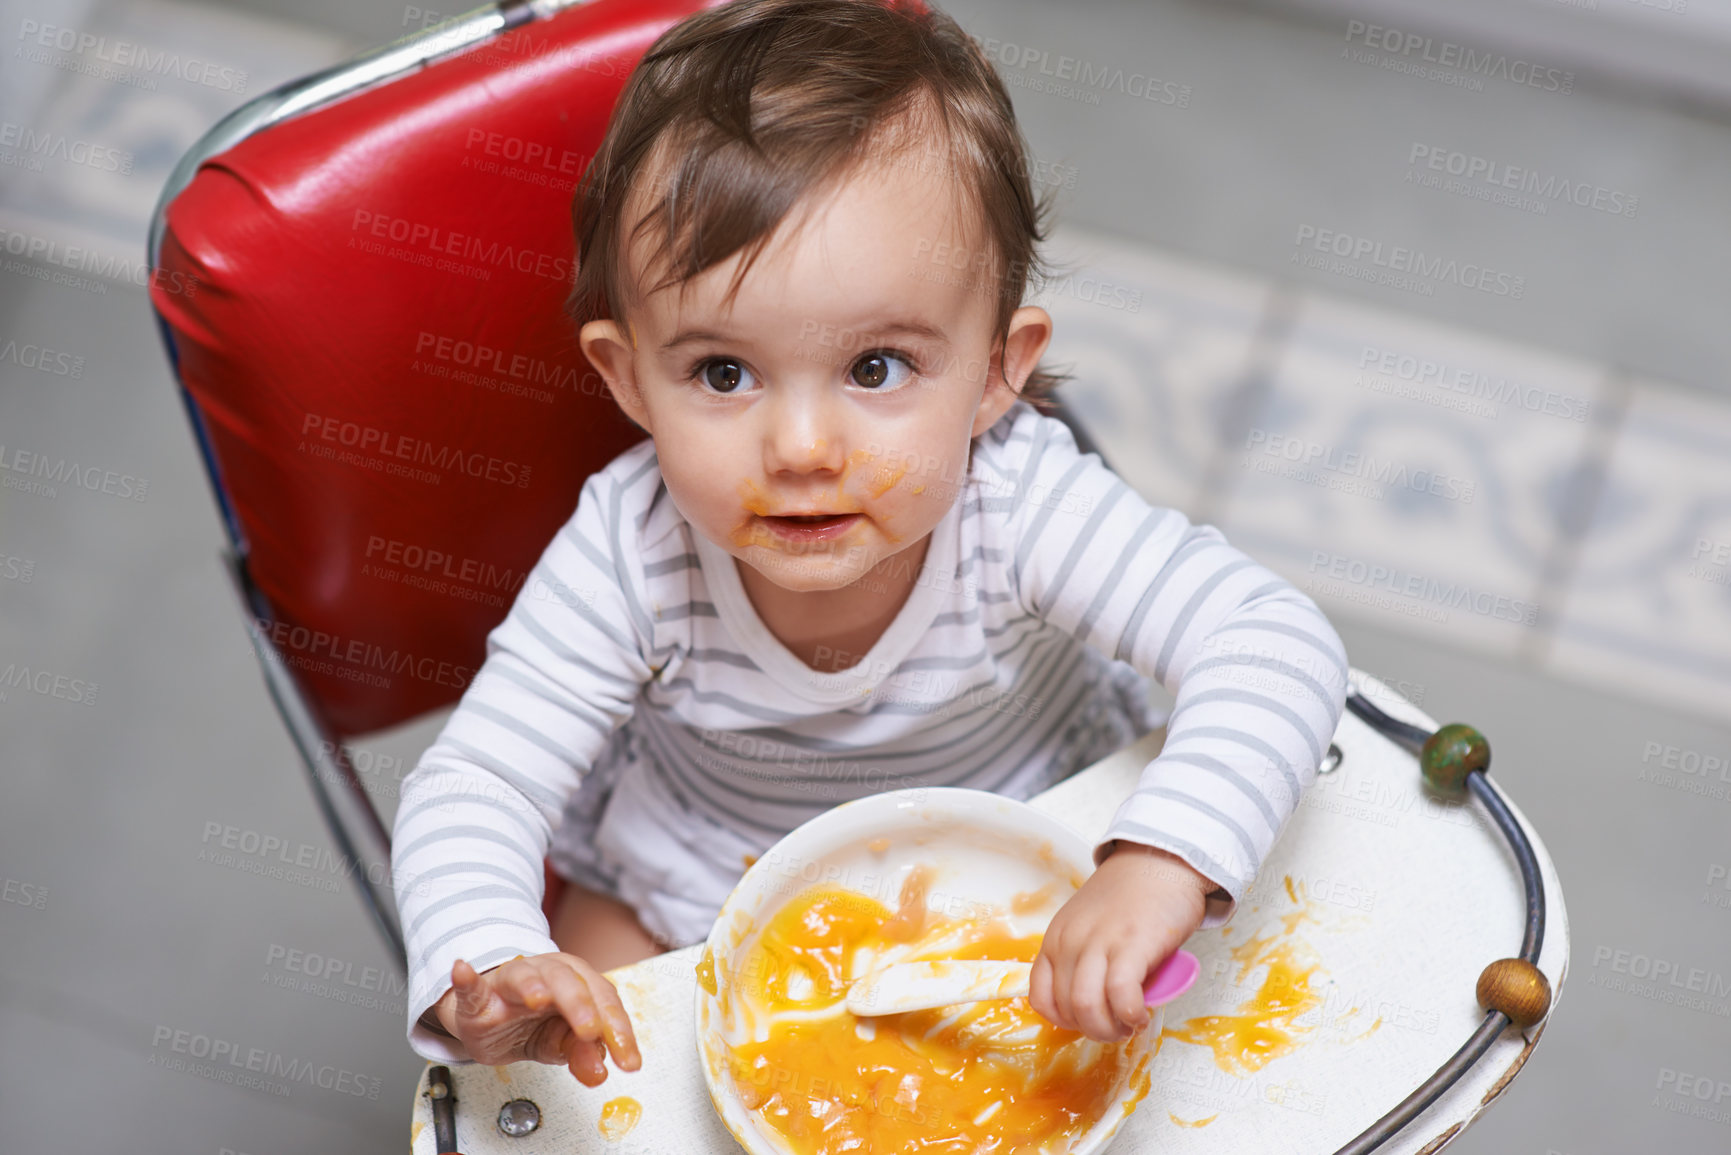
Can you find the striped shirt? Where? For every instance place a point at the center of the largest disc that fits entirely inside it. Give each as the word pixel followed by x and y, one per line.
pixel 1047 582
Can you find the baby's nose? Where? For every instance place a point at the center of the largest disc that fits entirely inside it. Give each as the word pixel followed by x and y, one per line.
pixel 816 455
pixel 806 439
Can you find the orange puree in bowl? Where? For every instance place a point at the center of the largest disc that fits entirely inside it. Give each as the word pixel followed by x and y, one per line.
pixel 987 1078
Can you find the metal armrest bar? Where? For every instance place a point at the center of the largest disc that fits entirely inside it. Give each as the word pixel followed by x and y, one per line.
pixel 1412 738
pixel 1404 733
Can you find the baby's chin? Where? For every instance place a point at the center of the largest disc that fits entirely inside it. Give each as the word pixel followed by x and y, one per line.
pixel 805 573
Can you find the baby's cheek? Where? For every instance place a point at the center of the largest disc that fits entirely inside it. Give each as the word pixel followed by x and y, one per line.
pixel 884 476
pixel 721 517
pixel 932 494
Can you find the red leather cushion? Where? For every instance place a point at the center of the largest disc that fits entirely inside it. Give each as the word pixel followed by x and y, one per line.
pixel 364 306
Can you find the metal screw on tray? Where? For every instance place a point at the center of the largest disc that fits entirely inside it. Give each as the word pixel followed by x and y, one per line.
pixel 519 1117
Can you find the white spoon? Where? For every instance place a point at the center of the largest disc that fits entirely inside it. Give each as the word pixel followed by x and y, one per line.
pixel 920 986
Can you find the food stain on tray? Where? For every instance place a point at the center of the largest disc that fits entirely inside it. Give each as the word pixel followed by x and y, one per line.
pixel 640 985
pixel 964 1078
pixel 618 1116
pixel 1190 1122
pixel 1267 1025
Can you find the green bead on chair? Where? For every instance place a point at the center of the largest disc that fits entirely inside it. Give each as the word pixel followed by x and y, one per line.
pixel 1450 754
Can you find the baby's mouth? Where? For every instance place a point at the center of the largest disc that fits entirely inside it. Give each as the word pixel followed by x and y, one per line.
pixel 811 526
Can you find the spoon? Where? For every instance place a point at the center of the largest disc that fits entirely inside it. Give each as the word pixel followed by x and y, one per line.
pixel 920 986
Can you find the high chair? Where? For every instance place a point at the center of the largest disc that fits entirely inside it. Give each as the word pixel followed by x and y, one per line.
pixel 359 279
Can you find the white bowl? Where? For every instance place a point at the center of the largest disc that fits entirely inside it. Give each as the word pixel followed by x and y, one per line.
pixel 985 848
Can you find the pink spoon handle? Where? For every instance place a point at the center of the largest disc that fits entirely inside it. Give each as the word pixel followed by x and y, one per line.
pixel 1171 978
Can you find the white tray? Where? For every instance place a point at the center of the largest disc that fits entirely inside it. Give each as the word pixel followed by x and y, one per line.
pixel 1409 899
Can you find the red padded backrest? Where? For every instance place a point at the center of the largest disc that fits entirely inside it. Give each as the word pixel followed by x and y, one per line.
pixel 364 306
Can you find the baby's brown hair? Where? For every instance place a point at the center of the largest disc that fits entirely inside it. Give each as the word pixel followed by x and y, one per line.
pixel 752 105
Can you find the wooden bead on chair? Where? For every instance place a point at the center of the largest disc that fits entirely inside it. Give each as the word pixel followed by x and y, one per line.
pixel 1517 988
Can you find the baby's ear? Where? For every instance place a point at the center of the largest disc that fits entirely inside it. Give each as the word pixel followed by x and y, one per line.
pixel 1025 341
pixel 1013 360
pixel 608 350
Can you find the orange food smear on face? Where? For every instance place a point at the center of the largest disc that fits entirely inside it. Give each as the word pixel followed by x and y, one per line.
pixel 749 532
pixel 753 500
pixel 988 1078
pixel 885 477
pixel 618 1116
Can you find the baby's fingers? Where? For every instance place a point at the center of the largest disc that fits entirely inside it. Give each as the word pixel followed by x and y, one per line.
pixel 1062 963
pixel 1040 989
pixel 575 1007
pixel 521 986
pixel 586 1059
pixel 474 994
pixel 1124 977
pixel 1088 1005
pixel 591 1006
pixel 616 1024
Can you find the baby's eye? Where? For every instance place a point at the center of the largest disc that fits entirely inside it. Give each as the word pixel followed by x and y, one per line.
pixel 723 374
pixel 878 370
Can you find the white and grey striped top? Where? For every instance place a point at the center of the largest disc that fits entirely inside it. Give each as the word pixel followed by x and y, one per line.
pixel 1047 575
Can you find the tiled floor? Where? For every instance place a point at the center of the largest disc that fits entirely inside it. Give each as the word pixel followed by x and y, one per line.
pixel 129 942
pixel 1416 475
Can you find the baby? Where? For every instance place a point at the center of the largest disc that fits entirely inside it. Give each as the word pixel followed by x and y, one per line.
pixel 853 555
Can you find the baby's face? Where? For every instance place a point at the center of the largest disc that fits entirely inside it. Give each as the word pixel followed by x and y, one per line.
pixel 848 377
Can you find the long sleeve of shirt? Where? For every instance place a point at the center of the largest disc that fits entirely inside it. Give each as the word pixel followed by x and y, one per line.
pixel 1258 674
pixel 561 672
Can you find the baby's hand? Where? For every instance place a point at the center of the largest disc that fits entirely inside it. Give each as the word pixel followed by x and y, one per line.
pixel 1131 914
pixel 551 1008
